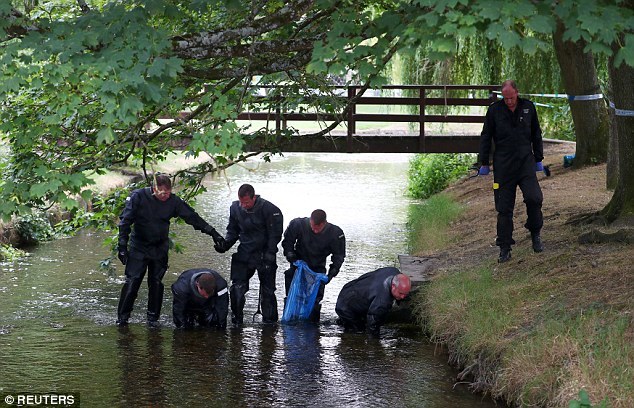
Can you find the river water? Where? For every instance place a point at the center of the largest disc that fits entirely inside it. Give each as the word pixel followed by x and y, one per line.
pixel 57 311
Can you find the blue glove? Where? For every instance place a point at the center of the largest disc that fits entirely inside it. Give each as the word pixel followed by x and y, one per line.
pixel 539 166
pixel 483 171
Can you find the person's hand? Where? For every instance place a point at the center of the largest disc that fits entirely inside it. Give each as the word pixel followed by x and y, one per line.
pixel 122 254
pixel 291 257
pixel 483 171
pixel 218 239
pixel 332 272
pixel 221 247
pixel 539 166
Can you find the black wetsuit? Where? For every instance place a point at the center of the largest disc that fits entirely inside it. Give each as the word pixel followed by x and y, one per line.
pixel 190 307
pixel 364 302
pixel 148 245
pixel 518 146
pixel 259 230
pixel 314 249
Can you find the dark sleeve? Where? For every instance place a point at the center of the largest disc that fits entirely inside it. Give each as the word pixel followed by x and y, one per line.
pixel 233 228
pixel 536 137
pixel 377 312
pixel 126 219
pixel 290 237
pixel 191 217
pixel 179 306
pixel 338 250
pixel 486 136
pixel 274 229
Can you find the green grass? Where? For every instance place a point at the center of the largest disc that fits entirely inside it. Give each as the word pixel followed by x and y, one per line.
pixel 429 223
pixel 536 350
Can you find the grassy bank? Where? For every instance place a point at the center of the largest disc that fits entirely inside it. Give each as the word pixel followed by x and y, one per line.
pixel 540 328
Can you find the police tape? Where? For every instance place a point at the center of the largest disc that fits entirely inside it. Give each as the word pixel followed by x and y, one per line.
pixel 592 97
pixel 621 112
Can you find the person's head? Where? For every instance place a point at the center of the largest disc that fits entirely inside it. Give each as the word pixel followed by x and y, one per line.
pixel 509 93
pixel 246 196
pixel 401 286
pixel 317 221
pixel 162 188
pixel 206 285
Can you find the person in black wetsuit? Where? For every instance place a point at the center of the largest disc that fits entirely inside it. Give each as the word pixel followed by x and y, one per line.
pixel 200 297
pixel 144 248
pixel 512 125
pixel 258 225
pixel 364 302
pixel 312 240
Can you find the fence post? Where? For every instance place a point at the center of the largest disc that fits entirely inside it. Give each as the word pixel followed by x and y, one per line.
pixel 421 120
pixel 352 109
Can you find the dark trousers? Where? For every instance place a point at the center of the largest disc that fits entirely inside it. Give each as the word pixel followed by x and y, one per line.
pixel 135 269
pixel 241 272
pixel 505 204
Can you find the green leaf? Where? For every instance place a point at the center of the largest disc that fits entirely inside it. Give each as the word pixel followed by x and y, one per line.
pixel 541 24
pixel 105 136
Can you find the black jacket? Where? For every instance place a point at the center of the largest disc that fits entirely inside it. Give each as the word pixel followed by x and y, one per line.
pixel 188 301
pixel 517 137
pixel 258 229
pixel 314 248
pixel 368 298
pixel 151 220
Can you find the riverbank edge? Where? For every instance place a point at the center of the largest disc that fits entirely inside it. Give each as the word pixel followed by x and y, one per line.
pixel 531 331
pixel 117 178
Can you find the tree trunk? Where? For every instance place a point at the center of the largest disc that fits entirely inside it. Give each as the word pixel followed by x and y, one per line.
pixel 590 117
pixel 612 168
pixel 621 206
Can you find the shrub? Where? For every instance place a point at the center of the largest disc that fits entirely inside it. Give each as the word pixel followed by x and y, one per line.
pixel 431 173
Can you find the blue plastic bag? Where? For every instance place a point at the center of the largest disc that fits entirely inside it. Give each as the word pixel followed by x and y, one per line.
pixel 303 292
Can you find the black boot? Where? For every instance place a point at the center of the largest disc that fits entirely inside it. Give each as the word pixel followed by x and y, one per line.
pixel 154 303
pixel 237 294
pixel 126 301
pixel 538 246
pixel 505 254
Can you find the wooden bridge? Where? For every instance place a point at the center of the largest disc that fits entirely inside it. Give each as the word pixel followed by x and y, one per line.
pixel 351 141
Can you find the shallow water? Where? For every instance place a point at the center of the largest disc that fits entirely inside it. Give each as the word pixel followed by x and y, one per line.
pixel 57 311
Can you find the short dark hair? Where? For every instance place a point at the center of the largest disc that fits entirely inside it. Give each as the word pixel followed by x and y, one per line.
pixel 207 282
pixel 246 190
pixel 318 216
pixel 162 180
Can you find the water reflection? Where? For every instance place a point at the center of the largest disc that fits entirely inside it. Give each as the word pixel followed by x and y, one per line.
pixel 57 312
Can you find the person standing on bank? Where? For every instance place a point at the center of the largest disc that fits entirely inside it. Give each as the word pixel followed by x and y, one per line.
pixel 258 225
pixel 364 303
pixel 312 240
pixel 513 126
pixel 200 296
pixel 144 248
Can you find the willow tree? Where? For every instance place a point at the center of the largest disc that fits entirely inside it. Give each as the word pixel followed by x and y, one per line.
pixel 602 26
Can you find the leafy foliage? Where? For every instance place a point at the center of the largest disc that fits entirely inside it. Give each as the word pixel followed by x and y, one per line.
pixel 34 228
pixel 431 173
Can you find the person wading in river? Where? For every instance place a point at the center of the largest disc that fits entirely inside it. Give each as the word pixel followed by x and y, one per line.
pixel 364 302
pixel 145 247
pixel 258 224
pixel 200 297
pixel 312 240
